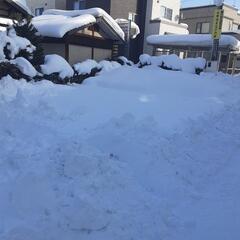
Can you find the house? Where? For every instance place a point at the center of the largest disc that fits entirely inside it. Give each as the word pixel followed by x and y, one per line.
pixel 200 19
pixel 80 35
pixel 39 6
pixel 162 18
pixel 152 16
pixel 120 9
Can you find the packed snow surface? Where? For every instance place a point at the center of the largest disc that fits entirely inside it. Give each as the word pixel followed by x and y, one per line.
pixel 131 154
pixel 203 40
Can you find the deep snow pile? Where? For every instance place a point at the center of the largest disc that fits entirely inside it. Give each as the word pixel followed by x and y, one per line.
pixel 131 154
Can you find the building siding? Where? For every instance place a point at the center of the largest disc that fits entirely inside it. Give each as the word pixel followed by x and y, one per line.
pixel 192 16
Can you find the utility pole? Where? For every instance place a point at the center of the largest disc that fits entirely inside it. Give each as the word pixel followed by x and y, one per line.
pixel 131 18
pixel 217 29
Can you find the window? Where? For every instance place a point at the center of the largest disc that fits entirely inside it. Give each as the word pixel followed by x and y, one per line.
pixel 235 27
pixel 39 11
pixel 79 4
pixel 166 13
pixel 203 27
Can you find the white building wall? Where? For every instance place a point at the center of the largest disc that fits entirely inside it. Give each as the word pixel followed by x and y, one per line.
pixel 172 4
pixel 157 25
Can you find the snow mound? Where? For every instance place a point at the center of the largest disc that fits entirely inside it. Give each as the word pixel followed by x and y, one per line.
pixel 134 156
pixel 57 64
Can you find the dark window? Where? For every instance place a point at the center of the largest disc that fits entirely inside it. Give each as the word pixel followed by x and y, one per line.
pixel 203 27
pixel 166 13
pixel 39 11
pixel 79 4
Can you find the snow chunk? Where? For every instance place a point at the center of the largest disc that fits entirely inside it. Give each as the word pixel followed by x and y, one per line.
pixel 203 40
pixel 58 25
pixel 57 64
pixel 86 66
pixel 25 66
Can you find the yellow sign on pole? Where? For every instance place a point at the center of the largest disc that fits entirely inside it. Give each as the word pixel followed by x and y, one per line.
pixel 217 23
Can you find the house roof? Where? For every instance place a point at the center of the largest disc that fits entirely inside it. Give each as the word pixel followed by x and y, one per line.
pixel 21 5
pixel 57 23
pixel 193 41
pixel 207 6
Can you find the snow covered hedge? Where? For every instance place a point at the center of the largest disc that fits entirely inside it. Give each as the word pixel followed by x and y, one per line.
pixel 18 54
pixel 173 62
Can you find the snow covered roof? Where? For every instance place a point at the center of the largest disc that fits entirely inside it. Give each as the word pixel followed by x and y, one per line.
pixel 21 4
pixel 135 30
pixel 193 40
pixel 56 23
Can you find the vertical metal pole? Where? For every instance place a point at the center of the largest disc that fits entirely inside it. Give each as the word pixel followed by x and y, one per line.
pixel 215 48
pixel 129 38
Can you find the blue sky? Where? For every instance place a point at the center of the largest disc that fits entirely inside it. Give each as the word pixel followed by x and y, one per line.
pixel 187 3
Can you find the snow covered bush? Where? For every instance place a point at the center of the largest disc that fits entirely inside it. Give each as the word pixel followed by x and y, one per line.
pixel 173 62
pixel 9 69
pixel 124 61
pixel 11 45
pixel 24 66
pixel 26 29
pixel 85 69
pixel 57 69
pixel 108 66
